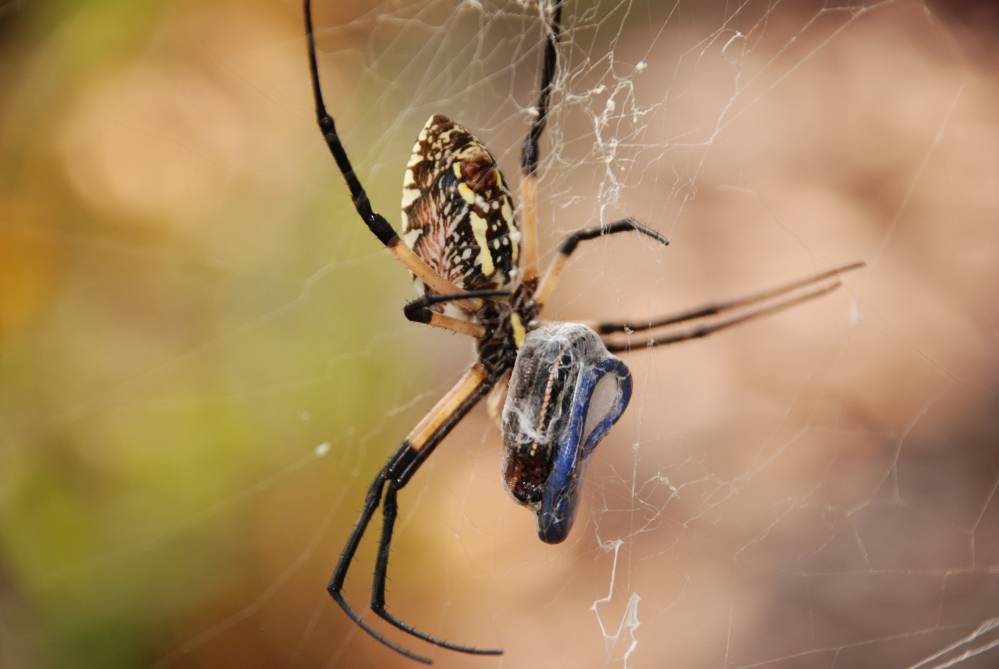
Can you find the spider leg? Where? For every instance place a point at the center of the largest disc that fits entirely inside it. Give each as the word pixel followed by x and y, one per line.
pixel 714 308
pixel 705 329
pixel 419 311
pixel 375 221
pixel 530 153
pixel 335 586
pixel 430 431
pixel 415 449
pixel 389 510
pixel 558 265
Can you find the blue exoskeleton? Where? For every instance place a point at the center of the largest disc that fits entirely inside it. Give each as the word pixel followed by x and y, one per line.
pixel 565 393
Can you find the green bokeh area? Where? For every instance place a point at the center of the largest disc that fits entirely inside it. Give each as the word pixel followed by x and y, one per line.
pixel 168 361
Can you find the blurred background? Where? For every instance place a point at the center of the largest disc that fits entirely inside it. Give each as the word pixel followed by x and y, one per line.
pixel 203 359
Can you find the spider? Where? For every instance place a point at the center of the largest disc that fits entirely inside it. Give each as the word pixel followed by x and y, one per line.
pixel 473 256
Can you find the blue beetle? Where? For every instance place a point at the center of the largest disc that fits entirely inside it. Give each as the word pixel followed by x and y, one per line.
pixel 565 393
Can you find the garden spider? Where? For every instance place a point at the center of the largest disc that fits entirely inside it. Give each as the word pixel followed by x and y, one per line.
pixel 477 270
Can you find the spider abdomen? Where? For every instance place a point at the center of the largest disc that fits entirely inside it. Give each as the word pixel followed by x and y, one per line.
pixel 457 212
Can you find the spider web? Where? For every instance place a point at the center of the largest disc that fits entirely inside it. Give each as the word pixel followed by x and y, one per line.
pixel 205 360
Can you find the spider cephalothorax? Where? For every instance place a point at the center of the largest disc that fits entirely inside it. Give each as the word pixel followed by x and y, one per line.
pixel 474 257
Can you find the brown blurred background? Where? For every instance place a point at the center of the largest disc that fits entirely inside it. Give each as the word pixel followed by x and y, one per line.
pixel 203 359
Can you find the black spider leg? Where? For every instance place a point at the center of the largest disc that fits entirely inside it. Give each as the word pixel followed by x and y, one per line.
pixel 569 245
pixel 418 310
pixel 624 225
pixel 335 586
pixel 396 473
pixel 375 222
pixel 714 308
pixel 372 219
pixel 705 329
pixel 405 468
pixel 529 153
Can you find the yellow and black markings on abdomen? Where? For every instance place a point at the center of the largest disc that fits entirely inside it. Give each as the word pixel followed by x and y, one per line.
pixel 457 212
